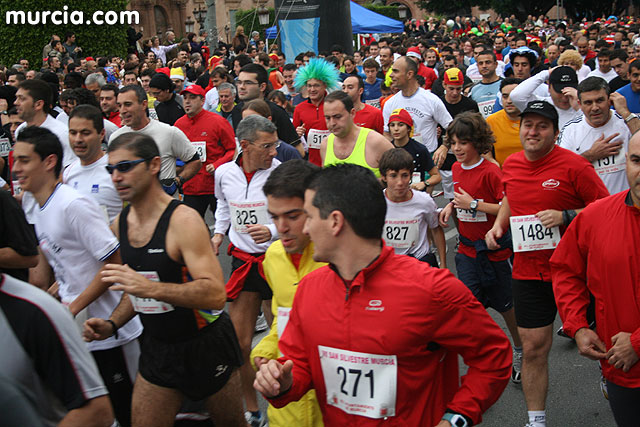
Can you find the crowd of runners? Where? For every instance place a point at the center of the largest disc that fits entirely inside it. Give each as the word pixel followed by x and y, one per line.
pixel 320 176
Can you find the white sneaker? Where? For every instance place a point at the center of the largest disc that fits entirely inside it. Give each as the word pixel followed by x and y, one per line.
pixel 261 324
pixel 516 376
pixel 255 421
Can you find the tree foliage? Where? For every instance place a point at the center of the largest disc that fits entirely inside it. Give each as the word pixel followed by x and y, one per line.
pixel 249 20
pixel 27 41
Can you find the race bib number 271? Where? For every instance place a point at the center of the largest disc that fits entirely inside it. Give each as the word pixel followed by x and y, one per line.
pixel 360 383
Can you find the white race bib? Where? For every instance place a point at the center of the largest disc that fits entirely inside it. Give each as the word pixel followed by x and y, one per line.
pixel 17 188
pixel 528 234
pixel 150 305
pixel 360 383
pixel 316 136
pixel 201 148
pixel 5 147
pixel 283 319
pixel 373 102
pixel 248 213
pixel 401 233
pixel 415 178
pixel 486 107
pixel 153 114
pixel 611 164
pixel 466 215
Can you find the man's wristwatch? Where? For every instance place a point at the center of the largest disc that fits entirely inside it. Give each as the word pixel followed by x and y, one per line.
pixel 630 117
pixel 473 205
pixel 456 420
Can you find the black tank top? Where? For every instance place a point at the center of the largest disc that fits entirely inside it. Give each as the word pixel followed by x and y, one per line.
pixel 180 323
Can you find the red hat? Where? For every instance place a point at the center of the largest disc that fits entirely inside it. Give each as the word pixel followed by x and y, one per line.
pixel 453 76
pixel 415 52
pixel 401 115
pixel 164 70
pixel 89 58
pixel 274 58
pixel 194 89
pixel 213 61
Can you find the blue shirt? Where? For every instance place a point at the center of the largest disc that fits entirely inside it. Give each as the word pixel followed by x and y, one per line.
pixel 372 91
pixel 633 98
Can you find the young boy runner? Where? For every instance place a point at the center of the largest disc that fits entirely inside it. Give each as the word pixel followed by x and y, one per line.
pixel 286 262
pixel 477 196
pixel 401 129
pixel 409 213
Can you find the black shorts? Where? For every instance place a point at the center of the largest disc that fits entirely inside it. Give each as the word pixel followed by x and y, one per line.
pixel 497 295
pixel 254 281
pixel 198 367
pixel 534 303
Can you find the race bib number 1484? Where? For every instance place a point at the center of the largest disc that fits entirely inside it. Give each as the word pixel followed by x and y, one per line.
pixel 528 234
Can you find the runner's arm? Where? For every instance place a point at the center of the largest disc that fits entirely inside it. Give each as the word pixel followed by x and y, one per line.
pixel 499 226
pixel 441 245
pixel 190 169
pixel 96 288
pixel 523 93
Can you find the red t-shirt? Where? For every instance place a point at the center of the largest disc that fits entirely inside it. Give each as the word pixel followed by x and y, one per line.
pixel 483 182
pixel 560 180
pixel 313 118
pixel 370 117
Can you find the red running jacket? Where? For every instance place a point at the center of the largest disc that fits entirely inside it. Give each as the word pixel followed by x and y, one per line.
pixel 599 254
pixel 403 307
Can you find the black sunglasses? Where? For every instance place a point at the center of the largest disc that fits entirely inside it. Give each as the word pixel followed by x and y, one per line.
pixel 124 166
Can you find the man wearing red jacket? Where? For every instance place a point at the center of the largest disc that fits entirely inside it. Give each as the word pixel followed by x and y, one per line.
pixel 545 186
pixel 602 235
pixel 343 338
pixel 213 138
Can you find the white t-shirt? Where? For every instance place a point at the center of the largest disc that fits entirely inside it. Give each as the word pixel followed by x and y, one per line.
pixel 406 224
pixel 61 131
pixel 211 100
pixel 94 181
pixel 172 144
pixel 578 136
pixel 426 110
pixel 608 76
pixel 76 240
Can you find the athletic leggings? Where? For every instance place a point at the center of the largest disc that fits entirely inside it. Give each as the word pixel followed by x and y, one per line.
pixel 625 404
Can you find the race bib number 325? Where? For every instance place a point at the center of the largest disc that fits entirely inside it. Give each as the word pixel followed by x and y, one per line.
pixel 244 214
pixel 528 234
pixel 360 383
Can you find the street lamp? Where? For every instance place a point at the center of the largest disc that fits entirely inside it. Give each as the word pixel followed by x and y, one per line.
pixel 263 15
pixel 200 15
pixel 188 25
pixel 402 11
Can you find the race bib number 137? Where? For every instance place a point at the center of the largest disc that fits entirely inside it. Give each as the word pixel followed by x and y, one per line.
pixel 360 383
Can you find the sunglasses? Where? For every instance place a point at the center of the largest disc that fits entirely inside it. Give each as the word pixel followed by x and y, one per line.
pixel 124 166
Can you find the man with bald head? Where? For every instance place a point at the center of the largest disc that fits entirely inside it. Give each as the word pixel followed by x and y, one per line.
pixel 601 234
pixel 583 49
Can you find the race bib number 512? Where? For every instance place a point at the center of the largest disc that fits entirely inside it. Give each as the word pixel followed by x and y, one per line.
pixel 528 234
pixel 360 383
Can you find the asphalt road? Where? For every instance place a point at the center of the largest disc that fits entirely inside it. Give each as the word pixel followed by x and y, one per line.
pixel 574 397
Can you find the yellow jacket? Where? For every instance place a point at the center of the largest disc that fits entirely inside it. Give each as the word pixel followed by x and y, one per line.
pixel 283 279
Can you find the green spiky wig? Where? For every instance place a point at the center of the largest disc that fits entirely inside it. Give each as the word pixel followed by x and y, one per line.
pixel 318 69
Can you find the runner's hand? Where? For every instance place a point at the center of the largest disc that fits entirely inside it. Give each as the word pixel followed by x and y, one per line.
pixel 259 361
pixel 96 329
pixel 273 378
pixel 622 355
pixel 216 241
pixel 590 345
pixel 444 215
pixel 550 217
pixel 440 155
pixel 210 169
pixel 126 279
pixel 300 130
pixel 492 236
pixel 259 233
pixel 462 200
pixel 603 147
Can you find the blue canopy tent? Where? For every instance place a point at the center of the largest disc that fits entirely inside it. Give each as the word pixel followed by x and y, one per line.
pixel 363 21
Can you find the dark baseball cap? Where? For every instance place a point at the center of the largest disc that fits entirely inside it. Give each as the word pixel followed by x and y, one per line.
pixel 542 108
pixel 562 77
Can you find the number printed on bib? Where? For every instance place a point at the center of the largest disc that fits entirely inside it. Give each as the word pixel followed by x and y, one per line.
pixel 248 213
pixel 316 136
pixel 528 234
pixel 466 215
pixel 201 149
pixel 150 305
pixel 283 319
pixel 5 147
pixel 486 107
pixel 611 164
pixel 360 383
pixel 415 178
pixel 401 233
